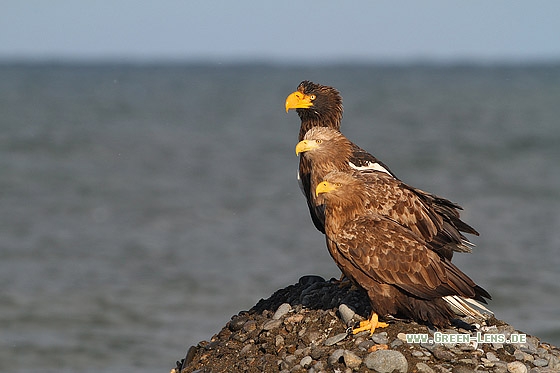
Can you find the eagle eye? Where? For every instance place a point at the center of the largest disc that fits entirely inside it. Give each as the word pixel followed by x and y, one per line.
pixel 312 97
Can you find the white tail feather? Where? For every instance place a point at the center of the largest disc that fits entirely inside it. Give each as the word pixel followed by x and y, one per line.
pixel 466 307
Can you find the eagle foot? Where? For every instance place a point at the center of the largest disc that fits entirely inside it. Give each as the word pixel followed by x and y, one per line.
pixel 370 325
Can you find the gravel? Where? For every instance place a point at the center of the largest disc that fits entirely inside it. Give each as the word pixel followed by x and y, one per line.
pixel 304 328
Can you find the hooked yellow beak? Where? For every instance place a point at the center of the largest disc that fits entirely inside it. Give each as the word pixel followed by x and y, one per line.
pixel 324 187
pixel 305 146
pixel 298 100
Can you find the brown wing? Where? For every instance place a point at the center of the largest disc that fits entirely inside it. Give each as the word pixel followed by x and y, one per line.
pixel 389 197
pixel 389 254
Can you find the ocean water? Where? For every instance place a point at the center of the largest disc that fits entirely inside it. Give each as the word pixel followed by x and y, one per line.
pixel 143 206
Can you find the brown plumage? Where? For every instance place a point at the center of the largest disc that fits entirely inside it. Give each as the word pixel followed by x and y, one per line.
pixel 401 274
pixel 435 219
pixel 321 106
pixel 317 106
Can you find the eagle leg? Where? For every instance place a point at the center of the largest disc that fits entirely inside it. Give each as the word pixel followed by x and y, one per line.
pixel 370 324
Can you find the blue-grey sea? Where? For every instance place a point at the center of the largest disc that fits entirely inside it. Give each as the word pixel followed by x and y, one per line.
pixel 144 205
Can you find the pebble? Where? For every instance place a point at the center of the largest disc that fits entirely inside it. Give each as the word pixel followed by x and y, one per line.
pixel 249 326
pixel 306 361
pixel 282 310
pixel 351 360
pixel 442 354
pixel 335 356
pixel 334 340
pixel 380 338
pixel 346 314
pixel 540 362
pixel 424 368
pixel 492 357
pixel 516 367
pixel 272 324
pixel 386 361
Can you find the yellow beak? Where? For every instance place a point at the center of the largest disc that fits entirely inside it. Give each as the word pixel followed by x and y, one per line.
pixel 324 187
pixel 298 100
pixel 305 146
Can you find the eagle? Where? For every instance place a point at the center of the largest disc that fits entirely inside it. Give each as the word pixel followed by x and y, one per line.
pixel 320 106
pixel 402 276
pixel 435 219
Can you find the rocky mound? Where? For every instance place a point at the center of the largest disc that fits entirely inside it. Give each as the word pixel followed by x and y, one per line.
pixel 306 327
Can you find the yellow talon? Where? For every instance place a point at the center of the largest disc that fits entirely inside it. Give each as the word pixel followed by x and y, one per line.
pixel 370 325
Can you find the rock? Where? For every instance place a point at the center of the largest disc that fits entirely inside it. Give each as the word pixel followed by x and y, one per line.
pixel 334 340
pixel 351 360
pixel 306 361
pixel 237 323
pixel 274 336
pixel 516 367
pixel 281 311
pixel 380 338
pixel 553 362
pixel 386 361
pixel 336 356
pixel 346 314
pixel 249 326
pixel 310 280
pixel 441 353
pixel 272 324
pixel 540 362
pixel 424 368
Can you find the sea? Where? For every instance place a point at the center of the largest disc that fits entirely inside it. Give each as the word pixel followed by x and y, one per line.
pixel 143 205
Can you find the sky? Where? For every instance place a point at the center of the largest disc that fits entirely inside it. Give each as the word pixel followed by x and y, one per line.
pixel 311 31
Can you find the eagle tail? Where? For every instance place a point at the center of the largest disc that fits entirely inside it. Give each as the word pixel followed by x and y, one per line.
pixel 467 307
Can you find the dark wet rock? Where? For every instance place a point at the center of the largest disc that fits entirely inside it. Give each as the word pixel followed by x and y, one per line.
pixel 302 328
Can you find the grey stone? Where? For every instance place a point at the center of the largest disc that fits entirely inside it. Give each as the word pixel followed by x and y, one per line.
pixel 245 350
pixel 441 353
pixel 351 360
pixel 346 314
pixel 417 353
pixel 337 338
pixel 249 326
pixel 386 361
pixel 553 362
pixel 272 324
pixel 396 343
pixel 491 356
pixel 335 356
pixel 516 367
pixel 282 310
pixel 424 368
pixel 306 361
pixel 380 338
pixel 540 362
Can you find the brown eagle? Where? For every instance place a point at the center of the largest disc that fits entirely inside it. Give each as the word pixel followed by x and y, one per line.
pixel 435 219
pixel 320 106
pixel 400 273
